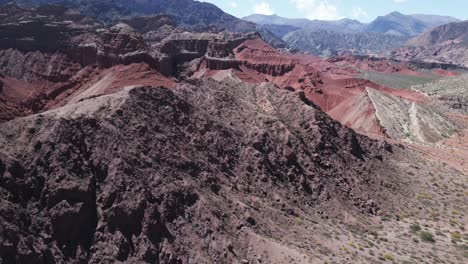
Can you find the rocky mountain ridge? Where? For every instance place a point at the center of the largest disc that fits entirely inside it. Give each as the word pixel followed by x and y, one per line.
pixel 329 43
pixel 443 44
pixel 190 15
pixel 141 141
pixel 328 38
pixel 394 23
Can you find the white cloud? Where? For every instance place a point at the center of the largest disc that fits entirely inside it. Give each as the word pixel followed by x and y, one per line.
pixel 317 9
pixel 263 8
pixel 400 1
pixel 358 12
pixel 233 4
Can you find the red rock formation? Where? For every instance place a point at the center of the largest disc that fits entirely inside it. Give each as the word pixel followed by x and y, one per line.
pixel 121 44
pixel 15 98
pixel 92 82
pixel 332 85
pixel 367 63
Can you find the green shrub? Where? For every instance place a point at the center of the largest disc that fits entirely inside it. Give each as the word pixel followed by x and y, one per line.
pixel 426 236
pixel 388 257
pixel 456 236
pixel 415 228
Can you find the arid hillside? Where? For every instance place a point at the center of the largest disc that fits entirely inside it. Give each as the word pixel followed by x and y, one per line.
pixel 136 139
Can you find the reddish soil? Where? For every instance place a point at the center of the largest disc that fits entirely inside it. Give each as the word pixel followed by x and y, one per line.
pixel 443 72
pixel 20 98
pixel 125 164
pixel 91 82
pixel 332 85
pixel 16 97
pixel 374 64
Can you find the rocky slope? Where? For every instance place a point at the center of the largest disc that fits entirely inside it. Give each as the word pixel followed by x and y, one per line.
pixel 453 92
pixel 329 43
pixel 65 54
pixel 434 20
pixel 406 120
pixel 337 91
pixel 70 70
pixel 139 142
pixel 189 14
pixel 397 24
pixel 449 33
pixel 167 176
pixel 443 44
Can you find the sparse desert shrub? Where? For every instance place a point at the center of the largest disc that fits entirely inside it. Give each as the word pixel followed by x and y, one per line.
pixel 426 236
pixel 388 256
pixel 453 222
pixel 423 196
pixel 456 236
pixel 415 228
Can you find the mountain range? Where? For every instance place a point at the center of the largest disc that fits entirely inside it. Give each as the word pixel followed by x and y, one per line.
pixel 322 37
pixel 170 132
pixel 394 23
pixel 443 44
pixel 191 15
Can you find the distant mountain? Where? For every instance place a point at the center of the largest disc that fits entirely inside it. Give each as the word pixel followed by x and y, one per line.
pixel 326 43
pixel 446 44
pixel 345 25
pixel 190 14
pixel 393 24
pixel 280 30
pixel 455 33
pixel 397 24
pixel 321 37
pixel 434 20
pixel 403 25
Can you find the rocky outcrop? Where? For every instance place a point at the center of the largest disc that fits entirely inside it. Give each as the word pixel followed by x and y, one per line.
pixel 154 28
pixel 37 66
pixel 48 29
pixel 217 50
pixel 121 44
pixel 151 175
pixel 256 55
pixel 411 121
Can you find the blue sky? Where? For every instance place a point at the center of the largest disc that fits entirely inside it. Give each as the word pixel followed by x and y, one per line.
pixel 364 10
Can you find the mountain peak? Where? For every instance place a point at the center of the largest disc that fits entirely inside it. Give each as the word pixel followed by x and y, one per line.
pixel 395 13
